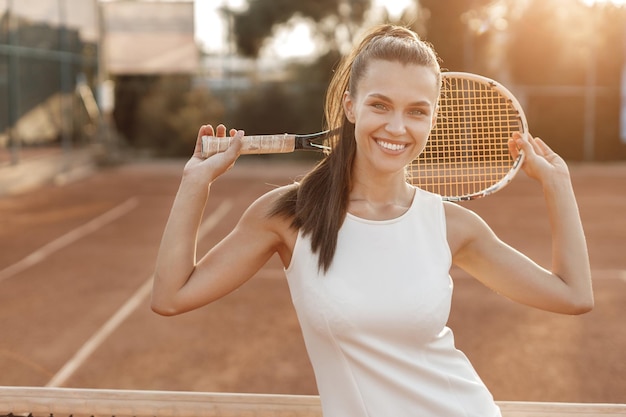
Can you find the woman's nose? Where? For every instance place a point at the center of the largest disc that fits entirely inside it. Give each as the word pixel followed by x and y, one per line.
pixel 395 125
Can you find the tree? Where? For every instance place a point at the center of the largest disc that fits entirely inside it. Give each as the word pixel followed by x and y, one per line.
pixel 296 103
pixel 446 26
pixel 335 21
pixel 161 114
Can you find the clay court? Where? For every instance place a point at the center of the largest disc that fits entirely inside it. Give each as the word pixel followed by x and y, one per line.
pixel 77 260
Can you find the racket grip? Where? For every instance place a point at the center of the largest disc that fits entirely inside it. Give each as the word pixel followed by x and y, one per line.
pixel 259 144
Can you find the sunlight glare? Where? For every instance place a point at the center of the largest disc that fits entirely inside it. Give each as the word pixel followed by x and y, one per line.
pixel 295 41
pixel 394 7
pixel 614 2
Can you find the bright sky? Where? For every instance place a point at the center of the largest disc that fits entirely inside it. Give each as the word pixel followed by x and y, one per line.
pixel 211 32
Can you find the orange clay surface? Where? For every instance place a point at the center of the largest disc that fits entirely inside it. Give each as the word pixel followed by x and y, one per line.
pixel 76 264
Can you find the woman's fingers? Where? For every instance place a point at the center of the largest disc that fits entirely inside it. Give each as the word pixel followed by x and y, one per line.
pixel 540 161
pixel 513 149
pixel 544 149
pixel 220 131
pixel 205 130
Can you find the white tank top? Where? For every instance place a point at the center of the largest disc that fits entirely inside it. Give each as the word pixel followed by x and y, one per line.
pixel 374 325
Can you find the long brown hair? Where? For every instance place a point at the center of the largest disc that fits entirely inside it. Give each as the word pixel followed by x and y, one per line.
pixel 318 204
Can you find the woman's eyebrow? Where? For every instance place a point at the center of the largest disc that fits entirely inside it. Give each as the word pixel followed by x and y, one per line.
pixel 415 103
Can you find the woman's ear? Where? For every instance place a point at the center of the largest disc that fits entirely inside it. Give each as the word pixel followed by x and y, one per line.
pixel 348 107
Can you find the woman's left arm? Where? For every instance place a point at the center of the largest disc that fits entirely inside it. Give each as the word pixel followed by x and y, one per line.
pixel 566 287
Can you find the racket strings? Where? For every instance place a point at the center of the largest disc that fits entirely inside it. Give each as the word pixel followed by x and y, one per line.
pixel 467 151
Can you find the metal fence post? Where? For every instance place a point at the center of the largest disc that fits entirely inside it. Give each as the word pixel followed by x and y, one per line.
pixel 13 86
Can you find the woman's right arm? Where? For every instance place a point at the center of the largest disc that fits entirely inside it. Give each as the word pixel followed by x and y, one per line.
pixel 181 283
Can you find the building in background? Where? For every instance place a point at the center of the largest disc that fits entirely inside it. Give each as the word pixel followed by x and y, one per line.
pixel 149 37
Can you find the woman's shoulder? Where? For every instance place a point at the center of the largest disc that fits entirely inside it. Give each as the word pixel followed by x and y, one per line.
pixel 455 214
pixel 463 225
pixel 272 213
pixel 458 215
pixel 268 205
pixel 273 196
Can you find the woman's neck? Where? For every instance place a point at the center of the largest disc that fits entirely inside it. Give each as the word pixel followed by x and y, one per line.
pixel 380 198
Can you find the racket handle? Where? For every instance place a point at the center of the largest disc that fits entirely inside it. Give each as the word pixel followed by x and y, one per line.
pixel 259 144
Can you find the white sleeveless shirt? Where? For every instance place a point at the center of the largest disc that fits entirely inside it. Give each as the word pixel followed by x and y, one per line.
pixel 375 326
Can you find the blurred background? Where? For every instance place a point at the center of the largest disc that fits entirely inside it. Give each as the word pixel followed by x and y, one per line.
pixel 105 79
pixel 86 84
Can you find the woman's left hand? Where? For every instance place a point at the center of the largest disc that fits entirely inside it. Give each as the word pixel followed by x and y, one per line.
pixel 540 161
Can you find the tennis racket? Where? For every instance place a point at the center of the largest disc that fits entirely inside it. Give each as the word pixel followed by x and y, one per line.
pixel 265 144
pixel 467 153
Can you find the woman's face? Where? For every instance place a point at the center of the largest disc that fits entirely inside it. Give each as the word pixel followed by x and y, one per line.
pixel 393 111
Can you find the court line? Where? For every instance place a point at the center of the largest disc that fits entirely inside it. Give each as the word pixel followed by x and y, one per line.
pixel 82 354
pixel 68 238
pixel 608 274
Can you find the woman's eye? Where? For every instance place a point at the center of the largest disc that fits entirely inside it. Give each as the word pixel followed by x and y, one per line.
pixel 417 112
pixel 379 106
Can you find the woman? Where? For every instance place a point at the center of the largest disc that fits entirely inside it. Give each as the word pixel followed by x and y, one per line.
pixel 367 255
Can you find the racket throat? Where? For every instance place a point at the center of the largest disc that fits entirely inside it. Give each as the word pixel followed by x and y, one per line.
pixel 314 147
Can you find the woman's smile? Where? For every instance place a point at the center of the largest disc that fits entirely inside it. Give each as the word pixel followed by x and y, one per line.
pixel 394 147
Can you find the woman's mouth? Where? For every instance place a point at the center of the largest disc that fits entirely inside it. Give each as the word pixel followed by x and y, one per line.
pixel 391 146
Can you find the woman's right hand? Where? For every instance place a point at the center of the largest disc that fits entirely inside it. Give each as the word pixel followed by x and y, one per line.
pixel 210 168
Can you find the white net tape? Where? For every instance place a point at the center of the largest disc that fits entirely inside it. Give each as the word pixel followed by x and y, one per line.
pixel 57 402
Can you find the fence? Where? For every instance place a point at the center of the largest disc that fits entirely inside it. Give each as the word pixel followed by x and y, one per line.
pixel 48 73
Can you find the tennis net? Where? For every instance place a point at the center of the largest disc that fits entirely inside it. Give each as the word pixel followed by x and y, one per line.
pixel 62 402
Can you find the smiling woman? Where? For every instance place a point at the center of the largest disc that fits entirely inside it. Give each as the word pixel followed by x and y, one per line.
pixel 366 255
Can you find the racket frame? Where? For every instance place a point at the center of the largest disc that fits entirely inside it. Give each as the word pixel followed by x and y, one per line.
pixel 520 117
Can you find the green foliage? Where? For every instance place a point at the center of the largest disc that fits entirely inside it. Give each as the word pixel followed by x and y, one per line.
pixel 163 114
pixel 294 106
pixel 446 30
pixel 257 23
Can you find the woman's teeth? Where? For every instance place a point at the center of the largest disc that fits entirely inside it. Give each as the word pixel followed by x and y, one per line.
pixel 391 146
